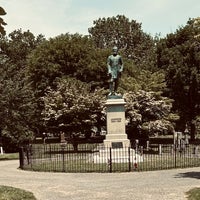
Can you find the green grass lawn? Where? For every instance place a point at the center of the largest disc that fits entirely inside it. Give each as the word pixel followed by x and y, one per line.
pixel 193 194
pixel 9 156
pixel 10 193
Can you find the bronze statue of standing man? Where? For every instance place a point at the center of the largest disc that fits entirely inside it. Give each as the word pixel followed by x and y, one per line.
pixel 115 68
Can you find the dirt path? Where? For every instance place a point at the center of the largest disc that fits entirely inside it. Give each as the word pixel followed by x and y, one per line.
pixel 156 185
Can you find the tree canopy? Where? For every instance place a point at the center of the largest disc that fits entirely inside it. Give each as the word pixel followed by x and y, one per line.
pixel 71 106
pixel 128 36
pixel 179 56
pixel 150 112
pixel 17 103
pixel 66 55
pixel 53 85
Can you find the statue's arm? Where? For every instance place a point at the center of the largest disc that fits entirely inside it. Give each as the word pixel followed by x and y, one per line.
pixel 121 64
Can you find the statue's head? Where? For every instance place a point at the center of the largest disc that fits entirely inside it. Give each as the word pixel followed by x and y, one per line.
pixel 115 50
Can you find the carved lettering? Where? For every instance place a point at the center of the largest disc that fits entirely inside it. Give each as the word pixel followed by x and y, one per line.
pixel 116 120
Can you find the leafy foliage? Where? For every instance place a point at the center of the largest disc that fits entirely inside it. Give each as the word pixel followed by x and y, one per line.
pixel 17 104
pixel 128 36
pixel 135 79
pixel 179 56
pixel 65 55
pixel 148 110
pixel 72 108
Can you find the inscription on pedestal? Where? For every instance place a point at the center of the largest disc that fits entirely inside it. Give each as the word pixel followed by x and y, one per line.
pixel 116 120
pixel 117 145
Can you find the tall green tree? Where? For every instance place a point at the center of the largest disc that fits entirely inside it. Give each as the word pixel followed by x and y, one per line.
pixel 134 79
pixel 150 112
pixel 17 104
pixel 72 108
pixel 2 23
pixel 128 36
pixel 179 55
pixel 66 55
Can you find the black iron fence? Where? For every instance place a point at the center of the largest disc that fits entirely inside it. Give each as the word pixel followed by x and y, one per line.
pixel 97 158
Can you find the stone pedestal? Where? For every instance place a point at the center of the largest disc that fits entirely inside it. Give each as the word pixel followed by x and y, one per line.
pixel 116 136
pixel 119 155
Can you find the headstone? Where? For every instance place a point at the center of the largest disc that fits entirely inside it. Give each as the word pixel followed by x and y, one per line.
pixel 160 149
pixel 147 145
pixel 1 150
pixel 1 144
pixel 172 149
pixel 136 145
pixel 196 150
pixel 178 136
pixel 175 137
pixel 62 138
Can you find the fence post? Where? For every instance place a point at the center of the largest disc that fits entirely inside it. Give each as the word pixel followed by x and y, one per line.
pixel 175 155
pixel 129 159
pixel 110 161
pixel 63 157
pixel 21 158
pixel 50 150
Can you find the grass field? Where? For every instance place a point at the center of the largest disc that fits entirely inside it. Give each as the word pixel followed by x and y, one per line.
pixel 193 194
pixel 11 193
pixel 9 156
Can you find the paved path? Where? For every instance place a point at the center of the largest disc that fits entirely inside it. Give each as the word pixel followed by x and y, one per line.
pixel 156 185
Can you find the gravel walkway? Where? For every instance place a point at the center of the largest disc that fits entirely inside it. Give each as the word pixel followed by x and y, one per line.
pixel 156 185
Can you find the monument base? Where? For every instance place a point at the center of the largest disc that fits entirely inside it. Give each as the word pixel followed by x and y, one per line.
pixel 116 136
pixel 116 155
pixel 116 146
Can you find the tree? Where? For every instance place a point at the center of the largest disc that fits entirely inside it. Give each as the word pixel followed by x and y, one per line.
pixel 134 79
pixel 128 36
pixel 179 56
pixel 66 55
pixel 150 112
pixel 17 107
pixel 72 108
pixel 17 104
pixel 2 23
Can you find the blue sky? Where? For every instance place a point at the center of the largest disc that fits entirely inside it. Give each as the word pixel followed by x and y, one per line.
pixel 54 17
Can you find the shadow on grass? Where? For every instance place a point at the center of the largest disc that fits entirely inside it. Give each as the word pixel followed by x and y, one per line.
pixel 188 175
